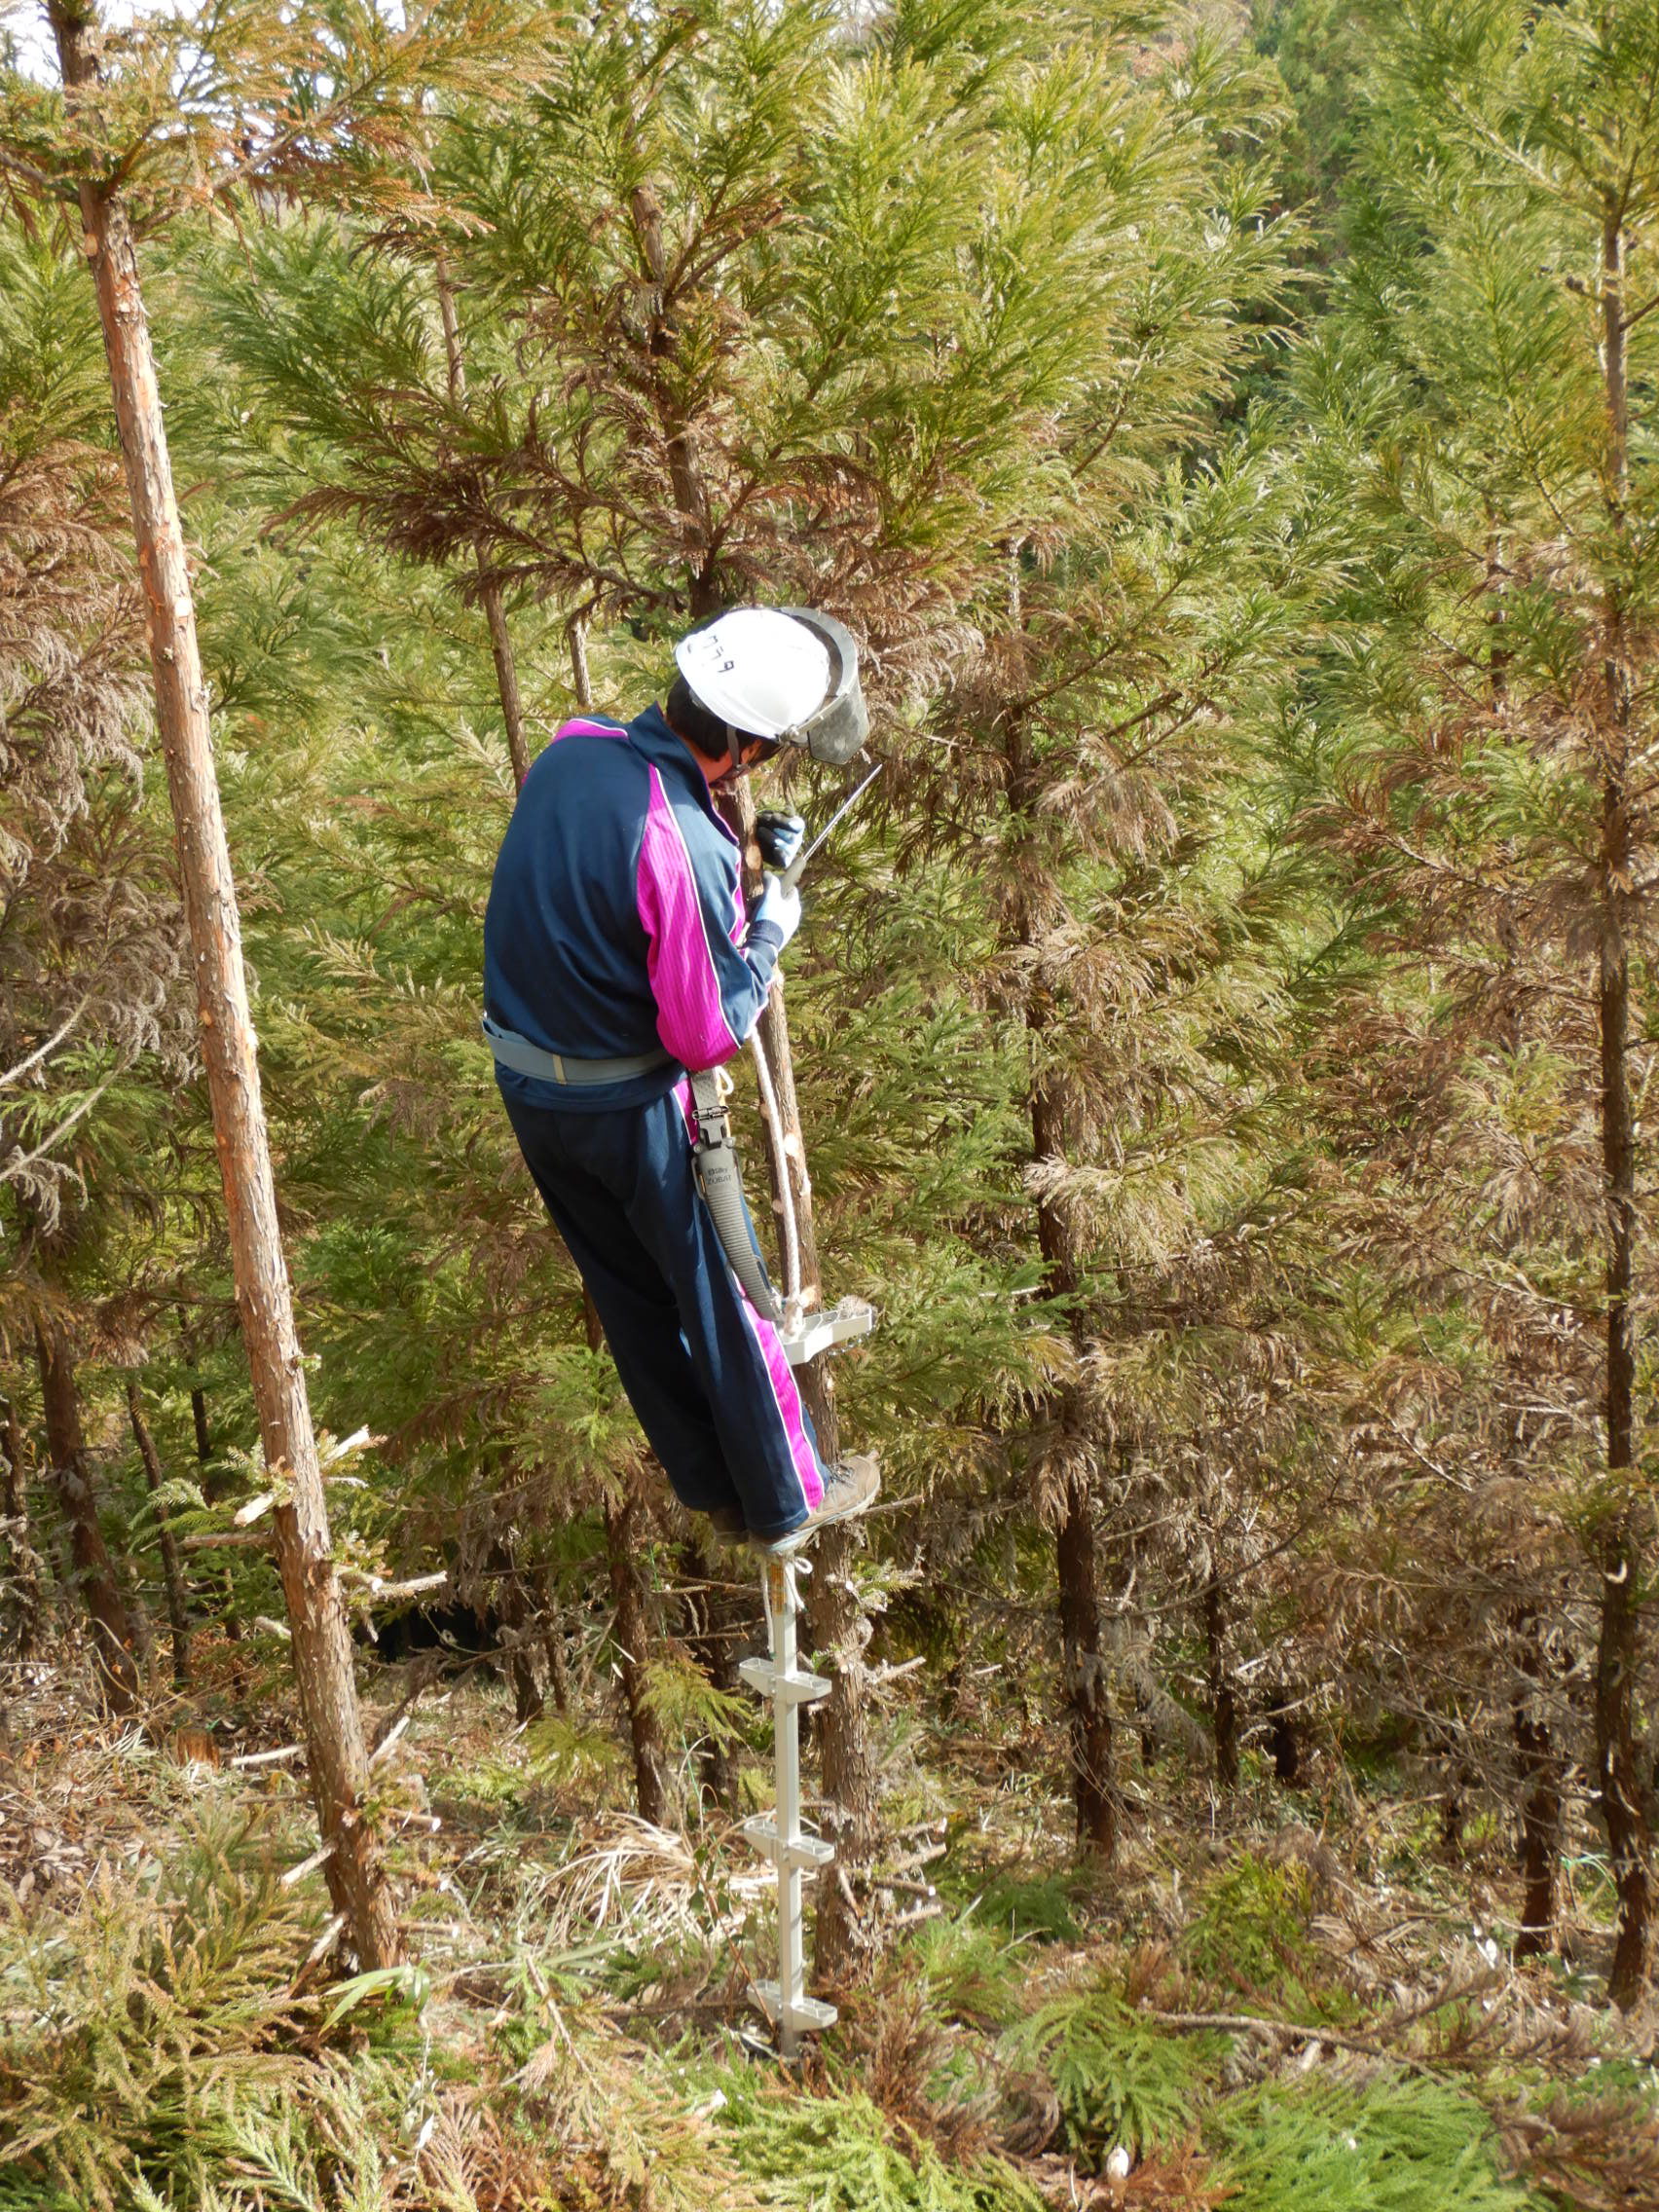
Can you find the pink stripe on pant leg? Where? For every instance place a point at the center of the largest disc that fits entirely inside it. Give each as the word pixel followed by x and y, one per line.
pixel 786 1399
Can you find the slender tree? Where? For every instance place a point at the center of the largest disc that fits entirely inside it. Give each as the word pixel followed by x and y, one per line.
pixel 268 99
pixel 71 1475
pixel 1498 785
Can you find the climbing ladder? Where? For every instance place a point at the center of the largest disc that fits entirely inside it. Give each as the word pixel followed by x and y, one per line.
pixel 779 1836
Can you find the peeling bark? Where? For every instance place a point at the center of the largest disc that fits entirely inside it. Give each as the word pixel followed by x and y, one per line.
pixel 321 1644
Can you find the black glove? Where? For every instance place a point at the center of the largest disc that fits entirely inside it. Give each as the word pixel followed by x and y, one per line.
pixel 780 837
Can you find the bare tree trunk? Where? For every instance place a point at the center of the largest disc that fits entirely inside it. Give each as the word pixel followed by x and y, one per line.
pixel 632 1601
pixel 489 592
pixel 1621 1552
pixel 518 1621
pixel 212 1490
pixel 25 1574
pixel 1285 1738
pixel 1084 1688
pixel 1084 1674
pixel 321 1643
pixel 849 1816
pixel 70 1476
pixel 1539 1767
pixel 689 497
pixel 557 1657
pixel 178 1610
pixel 1224 1701
pixel 711 1638
pixel 1084 1685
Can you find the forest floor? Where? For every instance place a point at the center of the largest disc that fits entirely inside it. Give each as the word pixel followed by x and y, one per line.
pixel 1294 2003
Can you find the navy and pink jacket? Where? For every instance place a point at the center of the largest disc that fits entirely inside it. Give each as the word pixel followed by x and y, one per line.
pixel 615 925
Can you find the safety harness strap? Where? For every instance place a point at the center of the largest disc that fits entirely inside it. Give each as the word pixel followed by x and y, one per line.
pixel 722 1181
pixel 525 1058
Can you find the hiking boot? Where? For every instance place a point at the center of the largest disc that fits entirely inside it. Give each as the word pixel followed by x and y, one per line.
pixel 850 1488
pixel 727 1521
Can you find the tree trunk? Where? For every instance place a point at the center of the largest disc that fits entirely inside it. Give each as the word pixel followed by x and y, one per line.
pixel 519 1622
pixel 212 1485
pixel 1088 1702
pixel 25 1575
pixel 558 1658
pixel 1621 1554
pixel 689 497
pixel 632 1601
pixel 849 1816
pixel 712 1632
pixel 1084 1688
pixel 1540 1767
pixel 70 1476
pixel 178 1610
pixel 1285 1738
pixel 1224 1701
pixel 321 1646
pixel 489 592
pixel 1083 1672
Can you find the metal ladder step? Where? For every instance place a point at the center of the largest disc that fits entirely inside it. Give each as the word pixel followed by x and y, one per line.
pixel 808 1851
pixel 844 1323
pixel 796 1687
pixel 809 2014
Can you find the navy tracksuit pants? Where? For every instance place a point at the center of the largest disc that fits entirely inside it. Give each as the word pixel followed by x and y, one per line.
pixel 703 1370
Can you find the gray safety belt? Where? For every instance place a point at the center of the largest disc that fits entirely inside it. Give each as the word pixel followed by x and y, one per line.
pixel 517 1052
pixel 722 1181
pixel 714 1155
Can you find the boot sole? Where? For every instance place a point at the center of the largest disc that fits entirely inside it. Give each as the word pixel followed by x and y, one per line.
pixel 786 1547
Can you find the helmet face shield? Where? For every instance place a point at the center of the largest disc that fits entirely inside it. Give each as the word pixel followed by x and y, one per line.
pixel 839 728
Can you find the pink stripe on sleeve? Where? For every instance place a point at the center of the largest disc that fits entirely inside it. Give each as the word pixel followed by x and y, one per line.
pixel 679 957
pixel 787 1398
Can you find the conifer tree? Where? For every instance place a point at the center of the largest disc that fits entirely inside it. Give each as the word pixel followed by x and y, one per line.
pixel 264 94
pixel 1496 786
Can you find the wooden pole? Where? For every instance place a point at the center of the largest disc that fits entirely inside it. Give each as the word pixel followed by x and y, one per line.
pixel 321 1643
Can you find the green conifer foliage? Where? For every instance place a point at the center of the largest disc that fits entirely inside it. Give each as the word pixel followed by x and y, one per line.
pixel 1494 786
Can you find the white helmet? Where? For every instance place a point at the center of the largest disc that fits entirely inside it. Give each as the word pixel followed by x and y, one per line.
pixel 767 673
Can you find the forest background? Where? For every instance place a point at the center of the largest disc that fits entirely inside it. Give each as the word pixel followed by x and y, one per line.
pixel 1220 1043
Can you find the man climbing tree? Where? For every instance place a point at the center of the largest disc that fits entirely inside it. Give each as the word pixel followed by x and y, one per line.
pixel 617 961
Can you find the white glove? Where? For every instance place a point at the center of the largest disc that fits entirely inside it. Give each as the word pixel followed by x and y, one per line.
pixel 779 904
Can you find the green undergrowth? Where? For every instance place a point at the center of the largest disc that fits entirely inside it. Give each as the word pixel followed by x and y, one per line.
pixel 162 2029
pixel 1250 1941
pixel 1115 2076
pixel 841 2153
pixel 168 2043
pixel 1394 2146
